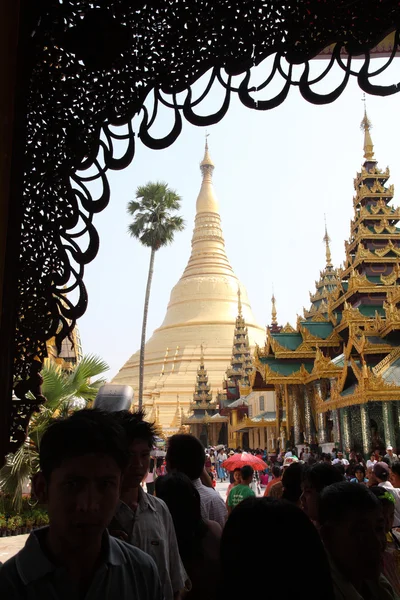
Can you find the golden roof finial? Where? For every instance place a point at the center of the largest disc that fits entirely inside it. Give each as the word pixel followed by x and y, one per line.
pixel 366 125
pixel 239 293
pixel 274 312
pixel 328 255
pixel 202 355
pixel 207 165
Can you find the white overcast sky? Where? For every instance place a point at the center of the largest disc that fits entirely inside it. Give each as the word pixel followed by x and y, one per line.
pixel 277 173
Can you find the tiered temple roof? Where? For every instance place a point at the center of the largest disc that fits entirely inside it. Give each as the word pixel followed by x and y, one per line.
pixel 345 351
pixel 327 288
pixel 204 410
pixel 241 367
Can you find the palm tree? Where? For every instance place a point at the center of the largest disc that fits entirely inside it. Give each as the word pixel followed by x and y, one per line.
pixel 65 391
pixel 154 225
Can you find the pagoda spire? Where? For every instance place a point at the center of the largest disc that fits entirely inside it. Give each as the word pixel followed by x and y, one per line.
pixel 366 126
pixel 239 302
pixel 208 244
pixel 202 391
pixel 241 362
pixel 274 313
pixel 328 255
pixel 177 420
pixel 326 288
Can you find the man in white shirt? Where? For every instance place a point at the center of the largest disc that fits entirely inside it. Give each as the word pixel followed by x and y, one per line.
pixel 142 519
pixel 390 457
pixel 382 474
pixel 371 461
pixel 340 460
pixel 186 454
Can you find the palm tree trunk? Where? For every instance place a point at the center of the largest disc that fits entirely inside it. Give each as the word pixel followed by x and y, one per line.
pixel 144 326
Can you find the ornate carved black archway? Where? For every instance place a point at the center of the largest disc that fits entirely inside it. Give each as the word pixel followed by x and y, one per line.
pixel 90 66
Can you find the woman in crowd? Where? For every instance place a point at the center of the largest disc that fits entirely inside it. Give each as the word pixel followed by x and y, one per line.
pixel 251 523
pixel 359 475
pixel 221 457
pixel 198 539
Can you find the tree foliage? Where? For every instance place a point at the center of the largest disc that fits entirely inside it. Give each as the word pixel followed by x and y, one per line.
pixel 65 391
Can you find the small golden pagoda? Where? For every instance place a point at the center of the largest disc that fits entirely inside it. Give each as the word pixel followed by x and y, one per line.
pixel 338 370
pixel 205 422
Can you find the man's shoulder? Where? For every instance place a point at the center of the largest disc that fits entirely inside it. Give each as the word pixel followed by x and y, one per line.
pixel 11 585
pixel 157 504
pixel 132 555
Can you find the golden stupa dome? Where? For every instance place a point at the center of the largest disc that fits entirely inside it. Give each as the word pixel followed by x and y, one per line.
pixel 202 310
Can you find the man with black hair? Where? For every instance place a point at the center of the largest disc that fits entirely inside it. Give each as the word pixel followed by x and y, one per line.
pixel 142 519
pixel 81 463
pixel 315 479
pixel 185 453
pixel 243 490
pixel 352 527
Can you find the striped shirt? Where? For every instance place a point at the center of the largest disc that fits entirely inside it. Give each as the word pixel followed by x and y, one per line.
pixel 212 505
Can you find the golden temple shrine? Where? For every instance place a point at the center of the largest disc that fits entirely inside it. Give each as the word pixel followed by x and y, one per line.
pixel 336 374
pixel 201 312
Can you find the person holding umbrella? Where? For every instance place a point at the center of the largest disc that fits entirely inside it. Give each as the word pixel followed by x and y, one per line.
pixel 242 490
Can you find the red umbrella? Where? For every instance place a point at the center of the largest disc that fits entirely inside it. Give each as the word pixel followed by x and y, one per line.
pixel 237 461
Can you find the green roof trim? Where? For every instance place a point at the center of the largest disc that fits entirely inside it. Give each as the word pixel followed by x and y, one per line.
pixel 321 330
pixel 392 373
pixel 286 367
pixel 369 311
pixel 288 340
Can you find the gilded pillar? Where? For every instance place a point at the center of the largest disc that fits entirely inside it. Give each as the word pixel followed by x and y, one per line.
pixel 365 429
pixel 336 427
pixel 287 410
pixel 296 420
pixel 335 416
pixel 346 431
pixel 234 421
pixel 321 433
pixel 307 417
pixel 262 438
pixel 388 428
pixel 278 400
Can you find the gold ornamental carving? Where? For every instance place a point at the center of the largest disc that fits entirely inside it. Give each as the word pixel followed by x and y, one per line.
pixel 392 277
pixel 384 225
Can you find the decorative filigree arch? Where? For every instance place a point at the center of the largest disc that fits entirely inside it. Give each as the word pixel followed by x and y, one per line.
pixel 100 65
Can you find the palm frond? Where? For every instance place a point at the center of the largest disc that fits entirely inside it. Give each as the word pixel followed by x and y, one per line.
pixel 54 383
pixel 90 366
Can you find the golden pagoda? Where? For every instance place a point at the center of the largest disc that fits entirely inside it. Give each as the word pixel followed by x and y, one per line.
pixel 201 311
pixel 338 371
pixel 205 422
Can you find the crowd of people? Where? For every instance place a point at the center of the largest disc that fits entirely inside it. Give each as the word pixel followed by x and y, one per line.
pixel 109 538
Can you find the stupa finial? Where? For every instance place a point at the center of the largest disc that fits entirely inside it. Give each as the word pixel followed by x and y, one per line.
pixel 239 293
pixel 274 313
pixel 328 255
pixel 202 355
pixel 207 166
pixel 366 126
